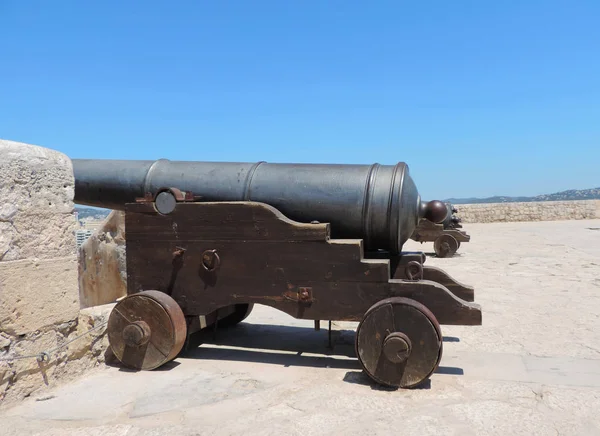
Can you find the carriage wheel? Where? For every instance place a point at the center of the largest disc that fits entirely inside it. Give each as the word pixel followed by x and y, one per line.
pixel 445 246
pixel 146 330
pixel 399 342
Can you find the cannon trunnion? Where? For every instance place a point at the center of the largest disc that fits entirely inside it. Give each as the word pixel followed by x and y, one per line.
pixel 194 263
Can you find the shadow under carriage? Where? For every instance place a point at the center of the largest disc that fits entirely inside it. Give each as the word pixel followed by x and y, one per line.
pixel 288 346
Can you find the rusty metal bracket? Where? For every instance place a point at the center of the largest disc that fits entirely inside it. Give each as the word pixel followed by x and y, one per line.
pixel 147 198
pixel 178 252
pixel 304 295
pixel 179 195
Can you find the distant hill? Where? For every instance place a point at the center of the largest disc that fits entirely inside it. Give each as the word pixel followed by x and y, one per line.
pixel 573 194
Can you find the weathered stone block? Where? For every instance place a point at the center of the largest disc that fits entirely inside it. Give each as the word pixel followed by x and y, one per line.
pixel 73 348
pixel 36 210
pixel 37 293
pixel 19 378
pixel 5 342
pixel 102 263
pixel 93 320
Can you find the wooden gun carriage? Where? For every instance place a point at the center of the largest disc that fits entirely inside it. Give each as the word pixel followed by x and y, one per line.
pixel 197 257
pixel 446 236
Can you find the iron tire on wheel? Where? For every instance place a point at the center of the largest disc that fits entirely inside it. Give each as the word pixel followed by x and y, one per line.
pixel 445 246
pixel 399 343
pixel 146 330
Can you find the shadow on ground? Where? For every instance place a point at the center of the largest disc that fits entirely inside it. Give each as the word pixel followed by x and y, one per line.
pixel 433 255
pixel 288 346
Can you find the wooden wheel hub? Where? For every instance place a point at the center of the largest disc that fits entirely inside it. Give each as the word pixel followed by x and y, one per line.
pixel 445 246
pixel 396 347
pixel 136 334
pixel 399 342
pixel 146 330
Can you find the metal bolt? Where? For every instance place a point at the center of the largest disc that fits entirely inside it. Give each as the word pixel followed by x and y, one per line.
pixel 304 293
pixel 136 334
pixel 397 347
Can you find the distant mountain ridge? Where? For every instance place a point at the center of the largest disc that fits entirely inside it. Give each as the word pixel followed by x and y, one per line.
pixel 572 194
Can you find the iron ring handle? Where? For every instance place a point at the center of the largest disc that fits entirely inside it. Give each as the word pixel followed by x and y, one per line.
pixel 213 256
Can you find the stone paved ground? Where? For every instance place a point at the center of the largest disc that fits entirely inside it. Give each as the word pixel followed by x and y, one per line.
pixel 533 368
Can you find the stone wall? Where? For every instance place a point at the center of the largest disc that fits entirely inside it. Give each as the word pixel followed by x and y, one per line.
pixel 102 266
pixel 39 297
pixel 533 211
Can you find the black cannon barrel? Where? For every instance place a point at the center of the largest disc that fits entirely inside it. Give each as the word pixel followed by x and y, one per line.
pixel 448 219
pixel 377 203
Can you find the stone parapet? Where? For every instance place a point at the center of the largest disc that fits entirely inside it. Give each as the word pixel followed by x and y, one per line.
pixel 39 295
pixel 531 211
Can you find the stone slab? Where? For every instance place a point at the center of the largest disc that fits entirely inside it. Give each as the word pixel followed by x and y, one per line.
pixel 37 293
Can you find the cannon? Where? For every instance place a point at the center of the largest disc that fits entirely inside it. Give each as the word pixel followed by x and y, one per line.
pixel 446 236
pixel 206 241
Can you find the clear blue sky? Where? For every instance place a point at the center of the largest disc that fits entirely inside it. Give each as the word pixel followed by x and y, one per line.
pixel 480 98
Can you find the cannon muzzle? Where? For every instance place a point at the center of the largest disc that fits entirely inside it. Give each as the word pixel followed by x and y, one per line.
pixel 377 203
